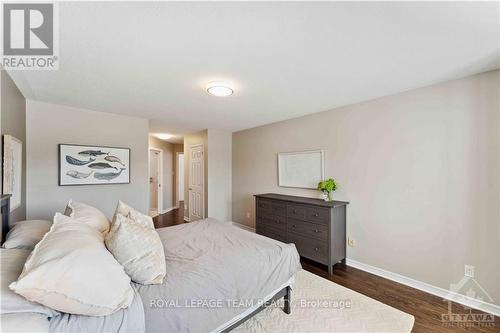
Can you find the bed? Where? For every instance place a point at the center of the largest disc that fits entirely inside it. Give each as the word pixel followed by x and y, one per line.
pixel 218 276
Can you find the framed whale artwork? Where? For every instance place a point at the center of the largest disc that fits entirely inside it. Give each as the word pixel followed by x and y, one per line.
pixel 93 165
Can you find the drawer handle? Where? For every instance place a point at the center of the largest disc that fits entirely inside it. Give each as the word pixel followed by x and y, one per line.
pixel 316 249
pixel 316 230
pixel 294 226
pixel 295 211
pixel 316 215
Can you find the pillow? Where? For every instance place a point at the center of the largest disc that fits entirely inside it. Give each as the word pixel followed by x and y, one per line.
pixel 25 234
pixel 71 271
pixel 87 214
pixel 138 248
pixel 133 214
pixel 12 262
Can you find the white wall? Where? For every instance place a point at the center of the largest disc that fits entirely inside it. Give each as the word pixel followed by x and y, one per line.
pixel 219 174
pixel 48 125
pixel 420 169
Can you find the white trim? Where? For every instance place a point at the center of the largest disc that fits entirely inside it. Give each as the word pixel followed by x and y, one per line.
pixel 242 226
pixel 177 176
pixel 437 291
pixel 186 218
pixel 160 177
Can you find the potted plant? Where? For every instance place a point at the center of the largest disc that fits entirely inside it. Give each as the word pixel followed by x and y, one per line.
pixel 327 187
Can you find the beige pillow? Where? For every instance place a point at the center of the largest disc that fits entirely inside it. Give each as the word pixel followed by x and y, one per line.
pixel 138 248
pixel 87 214
pixel 71 271
pixel 25 234
pixel 135 215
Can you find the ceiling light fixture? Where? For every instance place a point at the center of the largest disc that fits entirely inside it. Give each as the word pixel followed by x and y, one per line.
pixel 219 89
pixel 163 136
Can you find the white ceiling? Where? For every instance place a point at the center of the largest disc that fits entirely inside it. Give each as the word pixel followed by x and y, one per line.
pixel 285 60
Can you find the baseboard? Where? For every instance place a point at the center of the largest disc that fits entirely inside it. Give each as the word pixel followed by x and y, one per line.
pixel 242 226
pixel 169 209
pixel 436 291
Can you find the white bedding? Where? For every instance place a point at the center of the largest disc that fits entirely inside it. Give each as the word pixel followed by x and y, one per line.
pixel 215 272
pixel 208 262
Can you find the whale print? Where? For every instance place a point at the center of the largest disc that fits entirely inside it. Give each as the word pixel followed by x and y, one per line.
pixel 78 175
pixel 108 175
pixel 102 165
pixel 92 153
pixel 74 161
pixel 93 165
pixel 111 158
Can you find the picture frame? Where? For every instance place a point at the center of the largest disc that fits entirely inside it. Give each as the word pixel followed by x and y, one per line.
pixel 13 170
pixel 301 169
pixel 93 165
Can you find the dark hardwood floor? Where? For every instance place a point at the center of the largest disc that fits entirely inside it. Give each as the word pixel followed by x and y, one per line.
pixel 426 308
pixel 174 217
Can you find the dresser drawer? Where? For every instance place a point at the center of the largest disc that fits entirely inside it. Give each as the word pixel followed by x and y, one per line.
pixel 310 247
pixel 271 233
pixel 271 207
pixel 318 215
pixel 273 221
pixel 318 231
pixel 296 211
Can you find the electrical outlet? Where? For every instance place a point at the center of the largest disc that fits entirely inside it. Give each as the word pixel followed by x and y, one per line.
pixel 351 242
pixel 469 271
pixel 248 215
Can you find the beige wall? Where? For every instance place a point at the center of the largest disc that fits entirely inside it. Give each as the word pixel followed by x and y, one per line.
pixel 420 169
pixel 168 156
pixel 49 125
pixel 219 175
pixel 13 122
pixel 190 140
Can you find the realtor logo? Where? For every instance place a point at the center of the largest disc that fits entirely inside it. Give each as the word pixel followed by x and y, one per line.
pixel 29 36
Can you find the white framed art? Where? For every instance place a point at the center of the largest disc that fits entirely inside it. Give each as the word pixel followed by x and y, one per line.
pixel 303 169
pixel 12 169
pixel 93 165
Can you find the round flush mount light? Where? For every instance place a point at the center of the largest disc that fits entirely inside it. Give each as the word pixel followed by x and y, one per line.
pixel 219 89
pixel 163 136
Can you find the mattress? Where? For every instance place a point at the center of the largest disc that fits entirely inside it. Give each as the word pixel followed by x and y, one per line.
pixel 216 273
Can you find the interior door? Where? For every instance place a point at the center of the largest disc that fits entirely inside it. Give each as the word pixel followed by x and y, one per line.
pixel 153 181
pixel 196 183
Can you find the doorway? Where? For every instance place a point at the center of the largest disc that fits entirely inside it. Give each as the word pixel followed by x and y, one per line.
pixel 180 180
pixel 155 181
pixel 196 183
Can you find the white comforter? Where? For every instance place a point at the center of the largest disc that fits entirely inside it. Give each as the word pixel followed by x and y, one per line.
pixel 215 272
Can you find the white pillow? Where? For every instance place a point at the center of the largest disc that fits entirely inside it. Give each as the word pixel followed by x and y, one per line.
pixel 138 248
pixel 135 215
pixel 87 214
pixel 70 270
pixel 25 234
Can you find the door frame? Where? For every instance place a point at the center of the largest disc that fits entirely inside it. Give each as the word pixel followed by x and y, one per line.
pixel 160 178
pixel 177 177
pixel 189 180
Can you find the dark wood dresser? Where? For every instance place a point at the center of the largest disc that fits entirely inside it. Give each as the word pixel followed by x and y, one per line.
pixel 316 227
